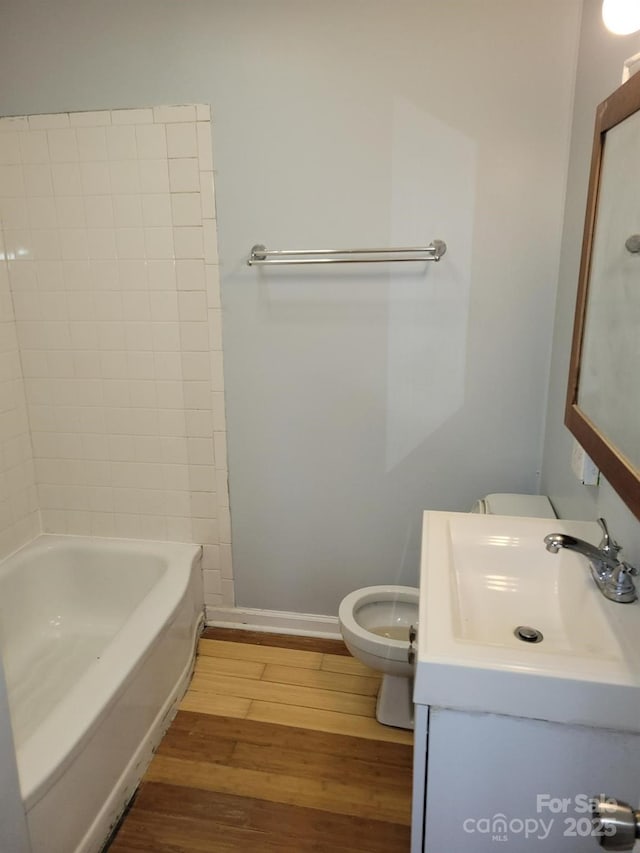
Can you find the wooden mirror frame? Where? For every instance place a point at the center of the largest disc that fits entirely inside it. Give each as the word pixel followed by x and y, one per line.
pixel 617 469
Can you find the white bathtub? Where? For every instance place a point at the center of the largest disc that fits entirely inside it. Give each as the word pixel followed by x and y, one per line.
pixel 98 640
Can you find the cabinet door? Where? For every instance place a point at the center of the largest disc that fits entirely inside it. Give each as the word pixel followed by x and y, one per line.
pixel 506 783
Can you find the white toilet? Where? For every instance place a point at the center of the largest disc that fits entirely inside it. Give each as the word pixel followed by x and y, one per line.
pixel 376 621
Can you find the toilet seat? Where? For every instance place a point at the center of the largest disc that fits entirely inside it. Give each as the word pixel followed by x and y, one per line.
pixel 357 615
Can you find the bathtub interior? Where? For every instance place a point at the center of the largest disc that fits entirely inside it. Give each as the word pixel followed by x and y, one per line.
pixel 58 613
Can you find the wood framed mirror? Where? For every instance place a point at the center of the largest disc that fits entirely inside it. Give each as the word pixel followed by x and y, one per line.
pixel 603 395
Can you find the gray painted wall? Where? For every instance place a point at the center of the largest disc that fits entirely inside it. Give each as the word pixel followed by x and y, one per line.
pixel 355 398
pixel 600 62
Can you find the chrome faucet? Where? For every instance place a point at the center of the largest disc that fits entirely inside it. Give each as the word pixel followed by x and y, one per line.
pixel 612 576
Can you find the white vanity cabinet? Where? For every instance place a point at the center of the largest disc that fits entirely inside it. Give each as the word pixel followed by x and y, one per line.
pixel 488 782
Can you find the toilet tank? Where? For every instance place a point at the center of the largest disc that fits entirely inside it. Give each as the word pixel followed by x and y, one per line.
pixel 535 506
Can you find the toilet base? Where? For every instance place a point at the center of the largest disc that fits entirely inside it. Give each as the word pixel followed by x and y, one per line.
pixel 395 702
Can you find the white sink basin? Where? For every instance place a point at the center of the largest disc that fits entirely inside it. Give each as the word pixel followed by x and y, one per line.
pixel 484 576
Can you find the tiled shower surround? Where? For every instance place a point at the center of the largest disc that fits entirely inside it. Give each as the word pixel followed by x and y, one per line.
pixel 108 225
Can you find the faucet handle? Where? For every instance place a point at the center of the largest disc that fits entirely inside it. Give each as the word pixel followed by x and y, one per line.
pixel 607 544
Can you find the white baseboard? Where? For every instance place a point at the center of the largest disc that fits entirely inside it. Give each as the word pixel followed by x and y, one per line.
pixel 274 621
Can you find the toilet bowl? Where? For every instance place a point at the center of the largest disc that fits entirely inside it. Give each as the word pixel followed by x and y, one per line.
pixel 375 623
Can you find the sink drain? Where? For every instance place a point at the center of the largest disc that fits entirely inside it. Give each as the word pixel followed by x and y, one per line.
pixel 528 635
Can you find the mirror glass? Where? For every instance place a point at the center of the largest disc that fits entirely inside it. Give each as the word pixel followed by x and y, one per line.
pixel 603 401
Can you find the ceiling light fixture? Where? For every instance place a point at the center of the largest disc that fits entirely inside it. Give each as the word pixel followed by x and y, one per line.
pixel 621 17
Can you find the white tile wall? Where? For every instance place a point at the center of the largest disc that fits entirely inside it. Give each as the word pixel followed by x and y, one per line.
pixel 110 238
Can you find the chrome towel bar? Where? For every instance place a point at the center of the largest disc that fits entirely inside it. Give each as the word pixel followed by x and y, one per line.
pixel 260 255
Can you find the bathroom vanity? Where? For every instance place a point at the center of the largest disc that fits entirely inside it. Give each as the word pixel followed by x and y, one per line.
pixel 515 730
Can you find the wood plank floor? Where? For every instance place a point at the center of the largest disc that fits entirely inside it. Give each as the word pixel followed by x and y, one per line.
pixel 275 748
